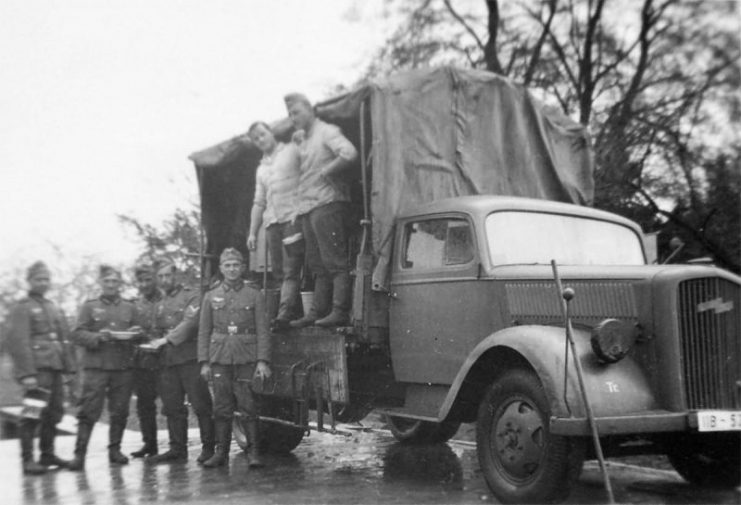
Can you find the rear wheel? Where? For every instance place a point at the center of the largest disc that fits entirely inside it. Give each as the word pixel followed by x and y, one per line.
pixel 711 459
pixel 521 460
pixel 414 431
pixel 274 437
pixel 350 413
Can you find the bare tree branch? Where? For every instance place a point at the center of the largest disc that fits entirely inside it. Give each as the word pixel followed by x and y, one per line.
pixel 463 23
pixel 535 57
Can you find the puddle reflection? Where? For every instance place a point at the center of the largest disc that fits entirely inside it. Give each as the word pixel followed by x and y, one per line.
pixel 424 464
pixel 41 489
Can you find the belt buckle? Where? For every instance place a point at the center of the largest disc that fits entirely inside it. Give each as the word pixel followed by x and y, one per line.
pixel 232 329
pixel 53 335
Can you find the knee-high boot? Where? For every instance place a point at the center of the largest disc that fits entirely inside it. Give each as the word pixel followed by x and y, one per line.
pixel 47 435
pixel 208 438
pixel 289 297
pixel 177 428
pixel 251 430
pixel 320 304
pixel 341 288
pixel 84 430
pixel 223 441
pixel 115 434
pixel 26 431
pixel 148 427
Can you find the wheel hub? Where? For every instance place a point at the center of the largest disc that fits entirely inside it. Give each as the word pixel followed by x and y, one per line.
pixel 518 439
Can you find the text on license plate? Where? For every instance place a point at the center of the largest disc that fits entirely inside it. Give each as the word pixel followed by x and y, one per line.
pixel 719 420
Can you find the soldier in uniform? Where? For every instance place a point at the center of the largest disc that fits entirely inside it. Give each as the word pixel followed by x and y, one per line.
pixel 36 338
pixel 234 347
pixel 176 319
pixel 146 364
pixel 107 363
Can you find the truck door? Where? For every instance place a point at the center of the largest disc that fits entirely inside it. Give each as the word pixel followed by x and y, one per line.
pixel 436 298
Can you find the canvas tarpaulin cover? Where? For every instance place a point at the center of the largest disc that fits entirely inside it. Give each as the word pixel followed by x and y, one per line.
pixel 445 132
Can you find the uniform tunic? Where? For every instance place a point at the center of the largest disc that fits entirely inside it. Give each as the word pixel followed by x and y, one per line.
pixel 176 319
pixel 36 337
pixel 37 343
pixel 232 337
pixel 146 307
pixel 107 364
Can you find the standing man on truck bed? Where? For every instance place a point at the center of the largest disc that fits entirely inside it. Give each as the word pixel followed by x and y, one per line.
pixel 176 319
pixel 36 340
pixel 234 349
pixel 276 186
pixel 323 201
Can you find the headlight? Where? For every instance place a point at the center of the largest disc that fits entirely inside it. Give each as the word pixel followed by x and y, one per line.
pixel 612 339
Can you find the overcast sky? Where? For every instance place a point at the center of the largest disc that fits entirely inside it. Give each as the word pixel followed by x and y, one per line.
pixel 102 102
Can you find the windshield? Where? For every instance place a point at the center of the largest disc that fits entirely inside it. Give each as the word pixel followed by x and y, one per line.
pixel 516 237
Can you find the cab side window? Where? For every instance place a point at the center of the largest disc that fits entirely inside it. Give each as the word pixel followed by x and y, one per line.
pixel 436 243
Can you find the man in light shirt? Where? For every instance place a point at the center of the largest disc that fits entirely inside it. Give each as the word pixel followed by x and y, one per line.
pixel 276 186
pixel 326 155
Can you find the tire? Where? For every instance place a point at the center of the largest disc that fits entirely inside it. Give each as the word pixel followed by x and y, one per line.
pixel 351 413
pixel 414 431
pixel 708 460
pixel 274 438
pixel 536 468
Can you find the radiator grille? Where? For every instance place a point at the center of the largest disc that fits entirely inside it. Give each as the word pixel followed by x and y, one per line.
pixel 709 324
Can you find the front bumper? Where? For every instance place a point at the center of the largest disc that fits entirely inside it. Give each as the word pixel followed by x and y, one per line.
pixel 656 421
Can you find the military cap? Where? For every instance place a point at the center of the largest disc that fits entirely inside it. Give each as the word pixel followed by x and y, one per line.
pixel 143 267
pixel 292 98
pixel 231 254
pixel 37 268
pixel 106 271
pixel 163 262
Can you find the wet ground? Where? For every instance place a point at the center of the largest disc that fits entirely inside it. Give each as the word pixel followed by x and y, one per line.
pixel 365 465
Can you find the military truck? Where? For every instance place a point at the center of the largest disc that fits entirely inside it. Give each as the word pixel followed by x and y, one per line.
pixel 467 194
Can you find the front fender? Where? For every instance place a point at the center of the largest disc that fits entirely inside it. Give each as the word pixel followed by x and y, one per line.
pixel 617 389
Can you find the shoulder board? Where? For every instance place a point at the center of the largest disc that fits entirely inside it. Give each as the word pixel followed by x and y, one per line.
pixel 91 300
pixel 213 287
pixel 130 300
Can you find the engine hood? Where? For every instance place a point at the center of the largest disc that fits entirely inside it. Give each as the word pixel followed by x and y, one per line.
pixel 639 272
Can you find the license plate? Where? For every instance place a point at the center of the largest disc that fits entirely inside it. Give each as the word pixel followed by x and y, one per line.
pixel 719 420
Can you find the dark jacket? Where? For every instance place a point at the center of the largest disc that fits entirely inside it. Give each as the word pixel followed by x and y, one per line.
pixel 176 319
pixel 37 336
pixel 233 327
pixel 106 314
pixel 146 308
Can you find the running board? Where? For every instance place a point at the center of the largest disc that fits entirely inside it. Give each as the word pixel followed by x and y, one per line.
pixel 400 412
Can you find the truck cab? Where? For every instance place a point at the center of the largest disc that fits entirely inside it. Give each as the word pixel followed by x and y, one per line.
pixel 477 334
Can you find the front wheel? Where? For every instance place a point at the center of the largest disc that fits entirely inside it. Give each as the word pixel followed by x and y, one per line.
pixel 414 431
pixel 709 460
pixel 521 460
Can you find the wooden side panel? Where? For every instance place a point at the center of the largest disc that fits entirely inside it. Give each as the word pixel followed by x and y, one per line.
pixel 309 358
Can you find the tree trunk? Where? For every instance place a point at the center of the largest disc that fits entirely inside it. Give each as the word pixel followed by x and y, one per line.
pixel 490 49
